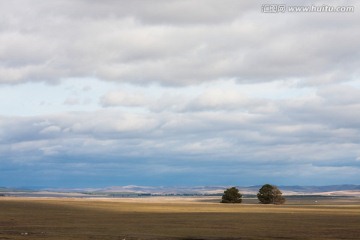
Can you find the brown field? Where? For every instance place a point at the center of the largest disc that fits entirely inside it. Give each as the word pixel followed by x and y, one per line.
pixel 176 218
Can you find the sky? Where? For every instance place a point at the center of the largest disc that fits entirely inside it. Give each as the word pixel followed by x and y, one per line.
pixel 178 93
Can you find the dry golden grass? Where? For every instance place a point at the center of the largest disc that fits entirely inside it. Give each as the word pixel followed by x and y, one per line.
pixel 167 218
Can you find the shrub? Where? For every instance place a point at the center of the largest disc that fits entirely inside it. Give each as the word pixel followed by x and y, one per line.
pixel 231 195
pixel 270 194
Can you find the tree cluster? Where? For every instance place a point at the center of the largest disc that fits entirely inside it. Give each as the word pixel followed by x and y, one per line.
pixel 268 194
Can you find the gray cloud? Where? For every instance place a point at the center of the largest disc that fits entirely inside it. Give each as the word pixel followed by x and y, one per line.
pixel 139 42
pixel 297 130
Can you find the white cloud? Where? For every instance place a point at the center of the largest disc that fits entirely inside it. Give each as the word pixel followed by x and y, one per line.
pixel 143 43
pixel 51 130
pixel 219 99
pixel 121 98
pixel 340 95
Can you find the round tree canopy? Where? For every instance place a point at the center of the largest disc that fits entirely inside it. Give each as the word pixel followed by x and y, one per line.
pixel 270 194
pixel 231 195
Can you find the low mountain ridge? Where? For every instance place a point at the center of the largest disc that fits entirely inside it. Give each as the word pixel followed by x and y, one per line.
pixel 133 190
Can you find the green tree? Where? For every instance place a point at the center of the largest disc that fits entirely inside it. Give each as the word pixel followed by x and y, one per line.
pixel 270 194
pixel 231 195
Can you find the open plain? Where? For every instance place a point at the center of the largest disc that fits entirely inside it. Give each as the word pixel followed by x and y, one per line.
pixel 177 218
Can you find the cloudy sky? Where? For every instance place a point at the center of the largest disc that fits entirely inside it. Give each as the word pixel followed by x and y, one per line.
pixel 201 92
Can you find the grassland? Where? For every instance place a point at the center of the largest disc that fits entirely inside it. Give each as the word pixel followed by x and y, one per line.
pixel 105 219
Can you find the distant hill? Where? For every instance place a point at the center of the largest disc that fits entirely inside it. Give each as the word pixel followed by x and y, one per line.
pixel 133 191
pixel 218 190
pixel 346 189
